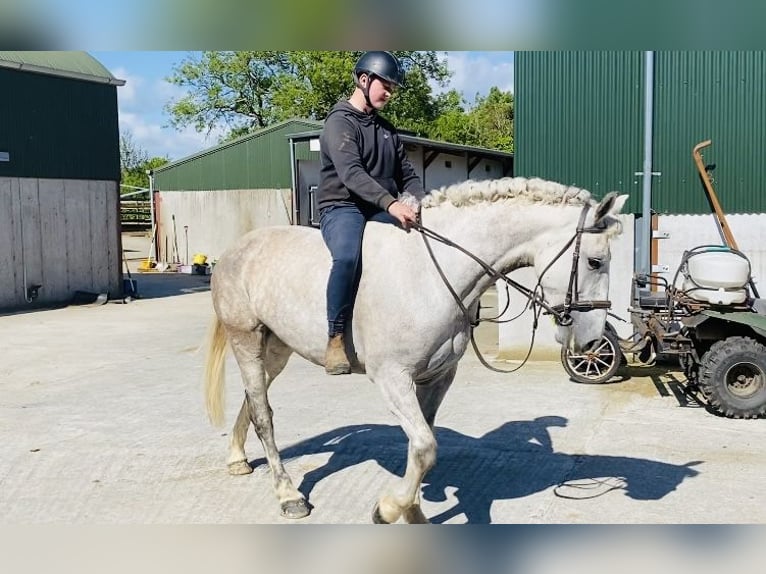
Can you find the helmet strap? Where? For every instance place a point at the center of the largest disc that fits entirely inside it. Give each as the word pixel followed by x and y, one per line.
pixel 366 91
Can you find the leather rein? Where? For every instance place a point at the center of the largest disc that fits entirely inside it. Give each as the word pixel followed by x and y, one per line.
pixel 561 313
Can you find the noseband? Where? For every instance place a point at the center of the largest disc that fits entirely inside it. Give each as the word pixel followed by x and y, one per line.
pixel 562 314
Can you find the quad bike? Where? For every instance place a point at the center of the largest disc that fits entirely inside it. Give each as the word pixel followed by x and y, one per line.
pixel 709 316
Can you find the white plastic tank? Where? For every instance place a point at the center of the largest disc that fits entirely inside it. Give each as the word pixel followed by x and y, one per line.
pixel 717 276
pixel 719 270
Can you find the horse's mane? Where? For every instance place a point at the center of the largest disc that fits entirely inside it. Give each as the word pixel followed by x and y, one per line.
pixel 531 190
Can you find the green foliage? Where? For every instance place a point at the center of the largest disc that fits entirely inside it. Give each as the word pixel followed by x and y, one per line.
pixel 488 123
pixel 134 162
pixel 492 118
pixel 233 88
pixel 245 91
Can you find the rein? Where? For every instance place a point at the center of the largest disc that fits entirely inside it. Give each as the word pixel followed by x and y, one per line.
pixel 561 313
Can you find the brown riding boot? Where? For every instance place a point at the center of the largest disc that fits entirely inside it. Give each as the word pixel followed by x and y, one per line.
pixel 335 361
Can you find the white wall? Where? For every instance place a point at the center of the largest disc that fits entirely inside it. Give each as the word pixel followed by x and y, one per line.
pixel 216 219
pixel 688 231
pixel 61 234
pixel 438 174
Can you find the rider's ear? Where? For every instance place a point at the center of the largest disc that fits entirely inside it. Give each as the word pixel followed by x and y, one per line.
pixel 612 204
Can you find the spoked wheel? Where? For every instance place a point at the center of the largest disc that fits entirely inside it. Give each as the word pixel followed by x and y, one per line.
pixel 733 377
pixel 597 363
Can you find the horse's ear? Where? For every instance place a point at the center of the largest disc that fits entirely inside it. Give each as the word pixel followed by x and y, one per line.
pixel 612 204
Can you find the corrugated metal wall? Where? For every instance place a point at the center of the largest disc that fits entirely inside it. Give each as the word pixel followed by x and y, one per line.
pixel 259 161
pixel 58 128
pixel 579 120
pixel 710 95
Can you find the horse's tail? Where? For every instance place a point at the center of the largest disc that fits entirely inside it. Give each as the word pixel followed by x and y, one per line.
pixel 214 371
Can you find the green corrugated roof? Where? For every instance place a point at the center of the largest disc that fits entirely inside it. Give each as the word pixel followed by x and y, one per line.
pixel 253 135
pixel 71 64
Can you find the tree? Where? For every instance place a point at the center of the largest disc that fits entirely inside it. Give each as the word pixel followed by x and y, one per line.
pixel 233 88
pixel 135 161
pixel 246 91
pixel 488 123
pixel 492 120
pixel 250 90
pixel 452 123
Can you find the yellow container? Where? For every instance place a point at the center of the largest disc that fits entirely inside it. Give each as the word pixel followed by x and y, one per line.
pixel 199 259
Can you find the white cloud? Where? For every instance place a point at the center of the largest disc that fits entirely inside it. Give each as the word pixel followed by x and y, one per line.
pixel 475 73
pixel 127 93
pixel 141 102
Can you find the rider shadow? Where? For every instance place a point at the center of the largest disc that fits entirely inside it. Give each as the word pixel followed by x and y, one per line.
pixel 512 461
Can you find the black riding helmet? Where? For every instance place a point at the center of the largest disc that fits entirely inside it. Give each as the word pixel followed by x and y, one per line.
pixel 384 65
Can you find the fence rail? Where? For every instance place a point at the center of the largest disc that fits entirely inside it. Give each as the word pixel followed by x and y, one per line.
pixel 135 213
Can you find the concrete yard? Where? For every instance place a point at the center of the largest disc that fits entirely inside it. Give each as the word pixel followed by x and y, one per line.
pixel 102 421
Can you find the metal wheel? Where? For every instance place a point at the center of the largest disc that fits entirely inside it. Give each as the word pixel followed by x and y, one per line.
pixel 598 363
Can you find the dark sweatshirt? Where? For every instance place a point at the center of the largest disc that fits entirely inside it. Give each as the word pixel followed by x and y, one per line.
pixel 363 159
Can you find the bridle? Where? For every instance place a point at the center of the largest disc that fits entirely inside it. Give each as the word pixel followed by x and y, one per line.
pixel 562 314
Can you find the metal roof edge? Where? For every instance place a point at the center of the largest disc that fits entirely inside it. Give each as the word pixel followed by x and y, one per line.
pixel 439 144
pixel 23 66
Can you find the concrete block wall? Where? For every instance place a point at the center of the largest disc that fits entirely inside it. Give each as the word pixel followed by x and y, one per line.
pixel 62 235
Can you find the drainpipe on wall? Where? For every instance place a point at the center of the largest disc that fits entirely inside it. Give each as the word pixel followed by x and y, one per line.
pixel 152 223
pixel 644 259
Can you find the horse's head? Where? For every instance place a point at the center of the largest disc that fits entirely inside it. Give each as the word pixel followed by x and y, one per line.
pixel 575 284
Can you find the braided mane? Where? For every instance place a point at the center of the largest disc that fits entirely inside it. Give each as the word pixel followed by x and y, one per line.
pixel 533 190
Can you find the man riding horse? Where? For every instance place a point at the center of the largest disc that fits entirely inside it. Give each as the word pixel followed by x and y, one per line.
pixel 364 172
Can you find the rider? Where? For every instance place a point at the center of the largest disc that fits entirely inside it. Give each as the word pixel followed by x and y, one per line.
pixel 364 175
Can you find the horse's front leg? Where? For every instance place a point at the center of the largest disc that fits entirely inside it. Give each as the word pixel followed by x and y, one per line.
pixel 431 393
pixel 403 498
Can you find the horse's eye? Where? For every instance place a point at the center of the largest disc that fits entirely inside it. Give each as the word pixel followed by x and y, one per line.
pixel 595 262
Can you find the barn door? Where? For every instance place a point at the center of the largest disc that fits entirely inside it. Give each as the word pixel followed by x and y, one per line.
pixel 308 182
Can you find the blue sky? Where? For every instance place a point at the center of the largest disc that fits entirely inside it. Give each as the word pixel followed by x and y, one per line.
pixel 142 99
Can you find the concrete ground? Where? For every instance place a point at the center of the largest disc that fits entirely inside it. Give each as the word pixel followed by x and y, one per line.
pixel 102 421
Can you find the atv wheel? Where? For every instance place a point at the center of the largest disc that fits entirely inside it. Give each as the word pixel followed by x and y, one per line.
pixel 732 376
pixel 597 364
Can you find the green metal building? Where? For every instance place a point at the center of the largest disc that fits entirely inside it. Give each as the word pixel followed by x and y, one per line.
pixel 260 160
pixel 580 120
pixel 60 118
pixel 59 179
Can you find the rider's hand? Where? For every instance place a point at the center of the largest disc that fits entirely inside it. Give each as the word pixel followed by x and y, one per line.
pixel 404 213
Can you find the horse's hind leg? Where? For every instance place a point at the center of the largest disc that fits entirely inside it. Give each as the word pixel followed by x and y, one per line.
pixel 250 350
pixel 276 356
pixel 237 461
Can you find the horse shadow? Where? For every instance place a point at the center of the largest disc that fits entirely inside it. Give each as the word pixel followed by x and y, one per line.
pixel 512 461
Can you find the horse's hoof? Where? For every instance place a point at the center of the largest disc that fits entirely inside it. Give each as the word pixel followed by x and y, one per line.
pixel 239 468
pixel 414 515
pixel 377 518
pixel 295 508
